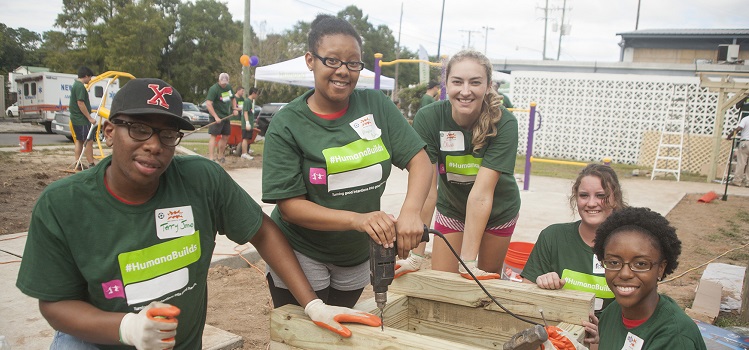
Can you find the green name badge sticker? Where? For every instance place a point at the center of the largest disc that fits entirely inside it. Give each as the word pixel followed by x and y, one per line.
pixel 160 259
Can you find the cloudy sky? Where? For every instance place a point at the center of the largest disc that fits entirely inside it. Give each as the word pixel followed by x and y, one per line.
pixel 504 28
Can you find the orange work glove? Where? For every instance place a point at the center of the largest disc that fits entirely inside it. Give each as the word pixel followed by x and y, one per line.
pixel 479 273
pixel 329 317
pixel 560 340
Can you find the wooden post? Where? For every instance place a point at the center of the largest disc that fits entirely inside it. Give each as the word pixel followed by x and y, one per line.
pixel 744 313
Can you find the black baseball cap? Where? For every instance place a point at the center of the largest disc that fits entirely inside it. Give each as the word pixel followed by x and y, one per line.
pixel 149 96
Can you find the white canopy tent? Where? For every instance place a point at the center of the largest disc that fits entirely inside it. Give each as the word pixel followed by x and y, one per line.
pixel 295 72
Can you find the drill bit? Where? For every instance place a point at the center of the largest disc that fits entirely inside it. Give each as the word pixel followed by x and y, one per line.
pixel 382 323
pixel 542 316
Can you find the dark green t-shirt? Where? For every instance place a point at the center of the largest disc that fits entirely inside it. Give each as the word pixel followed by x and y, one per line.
pixel 240 105
pixel 426 100
pixel 506 101
pixel 121 257
pixel 221 98
pixel 560 249
pixel 668 328
pixel 247 107
pixel 339 164
pixel 78 93
pixel 449 146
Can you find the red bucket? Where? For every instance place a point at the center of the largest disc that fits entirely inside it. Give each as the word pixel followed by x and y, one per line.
pixel 515 259
pixel 25 142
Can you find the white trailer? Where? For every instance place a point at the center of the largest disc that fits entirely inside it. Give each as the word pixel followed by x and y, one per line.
pixel 41 95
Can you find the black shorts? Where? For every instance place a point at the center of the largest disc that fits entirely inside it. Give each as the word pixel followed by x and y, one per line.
pixel 222 128
pixel 247 134
pixel 81 132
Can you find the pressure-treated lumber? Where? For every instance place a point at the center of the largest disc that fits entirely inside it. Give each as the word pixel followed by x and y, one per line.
pixel 439 310
pixel 523 299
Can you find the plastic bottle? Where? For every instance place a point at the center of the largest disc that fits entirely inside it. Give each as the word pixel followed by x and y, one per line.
pixel 4 345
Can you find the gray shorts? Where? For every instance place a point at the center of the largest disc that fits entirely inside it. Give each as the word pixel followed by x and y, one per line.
pixel 222 128
pixel 321 275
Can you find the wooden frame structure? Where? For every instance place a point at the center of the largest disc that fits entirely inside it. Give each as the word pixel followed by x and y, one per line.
pixel 438 310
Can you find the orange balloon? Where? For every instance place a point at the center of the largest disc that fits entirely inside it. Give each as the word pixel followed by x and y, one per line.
pixel 245 60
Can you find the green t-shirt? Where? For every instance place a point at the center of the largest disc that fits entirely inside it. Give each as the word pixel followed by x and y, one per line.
pixel 339 164
pixel 449 146
pixel 78 93
pixel 221 98
pixel 247 107
pixel 426 100
pixel 84 244
pixel 506 101
pixel 668 328
pixel 560 249
pixel 240 105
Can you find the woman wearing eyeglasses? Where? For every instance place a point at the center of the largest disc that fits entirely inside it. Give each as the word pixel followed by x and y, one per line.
pixel 638 248
pixel 327 157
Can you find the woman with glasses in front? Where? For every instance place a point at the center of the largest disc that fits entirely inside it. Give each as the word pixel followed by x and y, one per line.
pixel 638 248
pixel 327 157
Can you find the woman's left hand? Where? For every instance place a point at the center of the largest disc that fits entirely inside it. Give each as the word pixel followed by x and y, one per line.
pixel 591 330
pixel 408 232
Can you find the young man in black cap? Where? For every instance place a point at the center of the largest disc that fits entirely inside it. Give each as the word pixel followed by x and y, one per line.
pixel 145 244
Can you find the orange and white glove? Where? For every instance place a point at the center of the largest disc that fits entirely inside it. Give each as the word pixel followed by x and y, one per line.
pixel 479 273
pixel 330 317
pixel 154 327
pixel 560 340
pixel 410 264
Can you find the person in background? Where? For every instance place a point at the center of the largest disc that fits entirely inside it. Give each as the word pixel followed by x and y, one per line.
pixel 505 99
pixel 741 172
pixel 472 140
pixel 433 88
pixel 239 101
pixel 147 237
pixel 80 116
pixel 221 103
pixel 248 123
pixel 638 248
pixel 327 157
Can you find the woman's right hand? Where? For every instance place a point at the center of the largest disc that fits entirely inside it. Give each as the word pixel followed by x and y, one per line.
pixel 550 281
pixel 378 225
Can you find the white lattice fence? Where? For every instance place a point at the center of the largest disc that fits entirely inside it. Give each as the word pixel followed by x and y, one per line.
pixel 588 117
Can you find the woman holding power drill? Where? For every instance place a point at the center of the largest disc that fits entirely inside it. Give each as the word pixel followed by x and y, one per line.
pixel 327 156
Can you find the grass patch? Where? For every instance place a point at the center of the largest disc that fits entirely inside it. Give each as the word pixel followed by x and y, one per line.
pixel 570 171
pixel 726 319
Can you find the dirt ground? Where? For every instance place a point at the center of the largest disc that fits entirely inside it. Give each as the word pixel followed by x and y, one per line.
pixel 238 299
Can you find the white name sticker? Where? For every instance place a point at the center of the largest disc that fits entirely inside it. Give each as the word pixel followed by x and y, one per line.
pixel 452 141
pixel 174 222
pixel 632 342
pixel 366 127
pixel 597 266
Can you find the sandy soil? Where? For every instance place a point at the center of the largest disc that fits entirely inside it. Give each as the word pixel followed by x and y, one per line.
pixel 238 298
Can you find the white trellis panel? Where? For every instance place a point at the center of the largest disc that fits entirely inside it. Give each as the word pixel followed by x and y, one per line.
pixel 589 116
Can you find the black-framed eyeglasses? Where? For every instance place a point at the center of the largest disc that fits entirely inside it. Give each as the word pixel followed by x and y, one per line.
pixel 639 265
pixel 330 62
pixel 142 132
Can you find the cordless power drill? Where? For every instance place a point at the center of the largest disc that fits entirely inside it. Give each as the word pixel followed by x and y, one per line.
pixel 382 270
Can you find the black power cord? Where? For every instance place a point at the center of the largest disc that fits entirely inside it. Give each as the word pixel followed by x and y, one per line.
pixel 440 235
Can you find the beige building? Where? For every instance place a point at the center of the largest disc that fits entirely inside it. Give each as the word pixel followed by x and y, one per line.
pixel 685 46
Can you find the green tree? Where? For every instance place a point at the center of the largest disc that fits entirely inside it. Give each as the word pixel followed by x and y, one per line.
pixel 195 59
pixel 18 47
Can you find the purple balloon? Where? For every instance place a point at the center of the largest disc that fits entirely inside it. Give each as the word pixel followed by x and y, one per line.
pixel 254 61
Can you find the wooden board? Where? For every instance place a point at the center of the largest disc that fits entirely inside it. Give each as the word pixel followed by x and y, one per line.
pixel 524 299
pixel 439 310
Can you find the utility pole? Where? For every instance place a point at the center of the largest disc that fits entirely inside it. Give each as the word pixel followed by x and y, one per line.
pixel 442 19
pixel 546 25
pixel 561 29
pixel 397 56
pixel 246 44
pixel 486 36
pixel 469 36
pixel 637 22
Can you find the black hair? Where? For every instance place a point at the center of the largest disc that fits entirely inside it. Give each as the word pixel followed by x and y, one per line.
pixel 85 72
pixel 251 91
pixel 432 84
pixel 609 182
pixel 239 87
pixel 328 25
pixel 643 220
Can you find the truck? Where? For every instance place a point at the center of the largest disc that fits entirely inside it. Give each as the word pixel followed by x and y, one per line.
pixel 41 95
